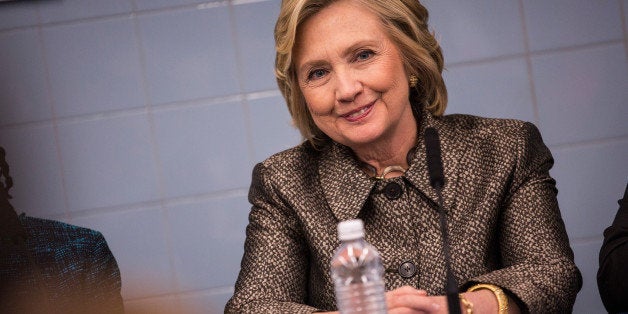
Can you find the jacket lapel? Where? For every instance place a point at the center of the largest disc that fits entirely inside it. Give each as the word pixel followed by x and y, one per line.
pixel 346 187
pixel 418 174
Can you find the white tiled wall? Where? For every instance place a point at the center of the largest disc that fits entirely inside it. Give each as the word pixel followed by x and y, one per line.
pixel 143 119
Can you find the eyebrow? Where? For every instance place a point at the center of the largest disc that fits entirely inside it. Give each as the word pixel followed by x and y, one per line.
pixel 347 51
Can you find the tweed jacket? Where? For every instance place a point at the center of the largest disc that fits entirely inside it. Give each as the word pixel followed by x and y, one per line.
pixel 60 268
pixel 504 223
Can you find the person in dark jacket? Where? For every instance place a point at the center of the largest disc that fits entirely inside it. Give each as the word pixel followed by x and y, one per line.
pixel 612 276
pixel 48 266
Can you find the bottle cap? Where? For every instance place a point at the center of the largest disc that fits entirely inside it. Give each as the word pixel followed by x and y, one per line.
pixel 350 230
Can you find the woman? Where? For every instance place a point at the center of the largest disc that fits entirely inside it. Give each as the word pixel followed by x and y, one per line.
pixel 362 79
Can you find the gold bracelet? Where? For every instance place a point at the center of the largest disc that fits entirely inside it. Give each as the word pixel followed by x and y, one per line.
pixel 502 299
pixel 468 306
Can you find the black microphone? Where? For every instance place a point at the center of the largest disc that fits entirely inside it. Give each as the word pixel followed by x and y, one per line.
pixel 437 181
pixel 434 162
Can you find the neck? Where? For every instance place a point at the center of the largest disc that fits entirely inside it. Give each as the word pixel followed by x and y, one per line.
pixel 393 153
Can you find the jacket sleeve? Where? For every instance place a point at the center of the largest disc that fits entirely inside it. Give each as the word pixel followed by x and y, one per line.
pixel 612 276
pixel 538 266
pixel 102 279
pixel 274 270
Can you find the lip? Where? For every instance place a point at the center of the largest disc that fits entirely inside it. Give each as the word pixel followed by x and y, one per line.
pixel 358 114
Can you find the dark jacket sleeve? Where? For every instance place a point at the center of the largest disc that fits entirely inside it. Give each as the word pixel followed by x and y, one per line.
pixel 538 263
pixel 273 274
pixel 60 268
pixel 102 279
pixel 612 276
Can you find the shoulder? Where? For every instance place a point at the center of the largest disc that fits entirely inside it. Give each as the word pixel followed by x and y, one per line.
pixel 54 229
pixel 502 132
pixel 291 163
pixel 287 176
pixel 80 242
pixel 476 125
pixel 505 141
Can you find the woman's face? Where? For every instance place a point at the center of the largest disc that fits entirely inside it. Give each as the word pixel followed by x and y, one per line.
pixel 352 77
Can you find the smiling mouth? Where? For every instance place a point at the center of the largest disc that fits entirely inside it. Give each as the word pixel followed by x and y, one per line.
pixel 358 114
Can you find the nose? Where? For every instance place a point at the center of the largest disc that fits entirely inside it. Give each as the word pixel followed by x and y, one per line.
pixel 348 86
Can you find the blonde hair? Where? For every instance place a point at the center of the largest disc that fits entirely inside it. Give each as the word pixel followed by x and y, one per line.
pixel 405 21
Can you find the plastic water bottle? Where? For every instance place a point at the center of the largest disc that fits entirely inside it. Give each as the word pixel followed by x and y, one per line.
pixel 357 271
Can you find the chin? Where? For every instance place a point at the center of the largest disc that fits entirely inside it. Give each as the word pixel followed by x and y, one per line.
pixel 361 139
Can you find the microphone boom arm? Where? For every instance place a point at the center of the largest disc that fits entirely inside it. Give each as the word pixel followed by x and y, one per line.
pixel 437 181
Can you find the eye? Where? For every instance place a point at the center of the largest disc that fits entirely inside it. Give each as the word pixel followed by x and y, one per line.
pixel 364 55
pixel 316 74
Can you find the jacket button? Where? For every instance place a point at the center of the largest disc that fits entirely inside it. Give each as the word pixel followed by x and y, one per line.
pixel 407 269
pixel 393 190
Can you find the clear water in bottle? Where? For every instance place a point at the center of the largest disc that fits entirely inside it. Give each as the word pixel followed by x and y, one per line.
pixel 357 271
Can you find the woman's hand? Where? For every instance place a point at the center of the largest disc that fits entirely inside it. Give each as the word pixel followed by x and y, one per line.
pixel 408 300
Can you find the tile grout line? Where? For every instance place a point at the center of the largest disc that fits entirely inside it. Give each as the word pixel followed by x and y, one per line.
pixel 201 102
pixel 245 104
pixel 167 202
pixel 158 167
pixel 114 16
pixel 241 2
pixel 624 24
pixel 587 239
pixel 194 292
pixel 530 68
pixel 534 53
pixel 586 143
pixel 67 213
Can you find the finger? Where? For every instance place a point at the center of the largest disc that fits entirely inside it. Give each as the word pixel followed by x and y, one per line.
pixel 405 310
pixel 393 295
pixel 407 290
pixel 413 301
